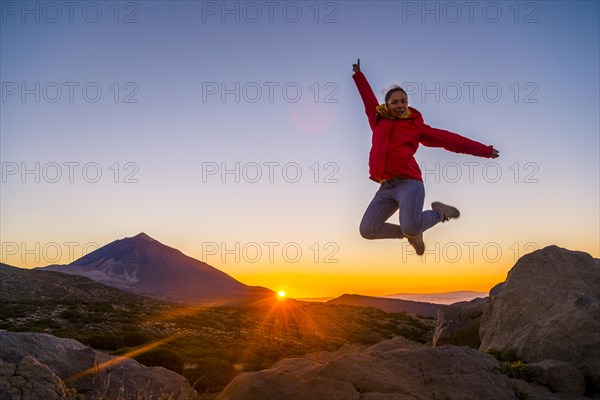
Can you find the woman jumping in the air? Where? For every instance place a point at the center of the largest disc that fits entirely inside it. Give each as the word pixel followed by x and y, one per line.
pixel 397 131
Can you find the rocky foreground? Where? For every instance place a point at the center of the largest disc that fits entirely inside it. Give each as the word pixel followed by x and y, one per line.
pixel 396 369
pixel 536 337
pixel 545 316
pixel 37 366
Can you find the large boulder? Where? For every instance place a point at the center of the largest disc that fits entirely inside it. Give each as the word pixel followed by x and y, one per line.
pixel 548 308
pixel 558 376
pixel 92 373
pixel 458 324
pixel 395 369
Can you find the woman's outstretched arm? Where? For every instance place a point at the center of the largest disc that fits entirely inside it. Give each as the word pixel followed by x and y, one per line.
pixel 433 137
pixel 366 93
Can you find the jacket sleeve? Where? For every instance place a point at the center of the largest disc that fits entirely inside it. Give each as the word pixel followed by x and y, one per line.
pixel 368 97
pixel 433 137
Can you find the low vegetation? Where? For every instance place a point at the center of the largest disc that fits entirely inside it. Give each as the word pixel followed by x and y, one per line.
pixel 208 346
pixel 511 365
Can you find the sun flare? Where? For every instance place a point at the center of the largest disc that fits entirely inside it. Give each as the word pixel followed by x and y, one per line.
pixel 281 293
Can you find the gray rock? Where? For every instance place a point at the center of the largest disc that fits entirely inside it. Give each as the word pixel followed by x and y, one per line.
pixel 272 385
pixel 41 382
pixel 395 343
pixel 8 391
pixel 531 391
pixel 559 376
pixel 392 370
pixel 6 368
pixel 324 356
pixel 458 324
pixel 29 380
pixel 94 374
pixel 386 396
pixel 548 308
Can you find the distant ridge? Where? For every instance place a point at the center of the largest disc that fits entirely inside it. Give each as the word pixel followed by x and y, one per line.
pixel 439 298
pixel 144 266
pixel 389 305
pixel 444 298
pixel 315 299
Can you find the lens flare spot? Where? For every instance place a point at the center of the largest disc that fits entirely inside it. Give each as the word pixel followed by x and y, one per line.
pixel 312 117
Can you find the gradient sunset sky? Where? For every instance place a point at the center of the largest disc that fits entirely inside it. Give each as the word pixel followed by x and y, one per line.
pixel 233 131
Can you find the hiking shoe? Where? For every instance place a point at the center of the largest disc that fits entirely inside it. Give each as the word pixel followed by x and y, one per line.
pixel 446 212
pixel 417 244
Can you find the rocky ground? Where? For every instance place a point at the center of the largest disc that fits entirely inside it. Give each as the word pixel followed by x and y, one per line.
pixel 535 337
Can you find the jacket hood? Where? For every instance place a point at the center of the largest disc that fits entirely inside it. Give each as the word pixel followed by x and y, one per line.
pixel 415 114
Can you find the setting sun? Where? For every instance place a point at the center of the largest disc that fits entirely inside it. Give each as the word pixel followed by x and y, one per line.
pixel 281 293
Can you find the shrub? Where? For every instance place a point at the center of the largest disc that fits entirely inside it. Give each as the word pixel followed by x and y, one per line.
pixel 132 339
pixel 507 355
pixel 70 314
pixel 41 325
pixel 410 332
pixel 517 370
pixel 95 317
pixel 211 374
pixel 162 357
pixel 13 311
pixel 511 365
pixel 104 342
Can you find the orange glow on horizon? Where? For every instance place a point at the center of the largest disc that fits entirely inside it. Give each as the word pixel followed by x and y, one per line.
pixel 317 286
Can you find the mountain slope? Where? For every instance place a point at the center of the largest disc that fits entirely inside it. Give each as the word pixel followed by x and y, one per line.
pixel 20 285
pixel 149 268
pixel 74 306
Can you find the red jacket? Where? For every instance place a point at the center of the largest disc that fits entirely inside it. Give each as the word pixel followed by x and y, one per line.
pixel 395 141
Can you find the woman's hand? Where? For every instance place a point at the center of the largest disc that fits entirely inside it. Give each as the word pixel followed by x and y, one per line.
pixel 356 67
pixel 495 153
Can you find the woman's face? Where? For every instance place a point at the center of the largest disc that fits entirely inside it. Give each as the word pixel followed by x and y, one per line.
pixel 397 103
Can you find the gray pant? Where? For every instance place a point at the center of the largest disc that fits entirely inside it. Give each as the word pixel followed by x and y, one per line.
pixel 408 196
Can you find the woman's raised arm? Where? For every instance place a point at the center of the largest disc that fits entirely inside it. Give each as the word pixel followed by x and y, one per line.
pixel 366 93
